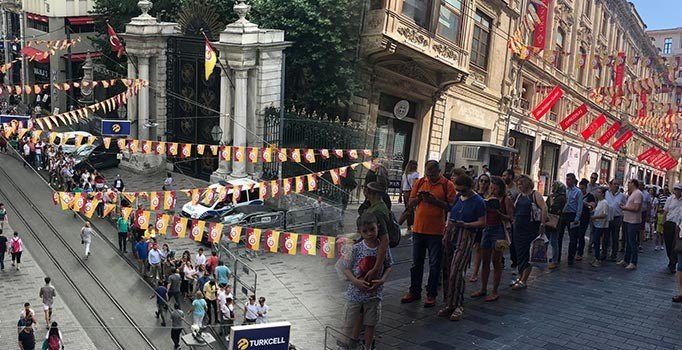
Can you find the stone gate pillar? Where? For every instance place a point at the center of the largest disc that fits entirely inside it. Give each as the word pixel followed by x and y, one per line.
pixel 253 58
pixel 146 41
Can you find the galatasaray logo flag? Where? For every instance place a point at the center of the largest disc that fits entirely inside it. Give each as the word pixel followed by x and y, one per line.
pixel 159 147
pixel 90 208
pixel 65 200
pixel 130 196
pixel 239 153
pixel 79 202
pixel 253 238
pixel 161 224
pixel 108 208
pixel 55 197
pixel 186 150
pixel 169 200
pixel 309 156
pixel 200 149
pixel 253 154
pixel 154 201
pixel 197 231
pixel 179 226
pixel 125 213
pixel 235 234
pixel 225 152
pixel 299 184
pixel 312 182
pixel 267 155
pixel 147 147
pixel 271 241
pixel 327 247
pixel 274 188
pixel 142 219
pixel 286 183
pixel 262 190
pixel 121 144
pixel 215 231
pixel 296 155
pixel 210 58
pixel 308 244
pixel 289 242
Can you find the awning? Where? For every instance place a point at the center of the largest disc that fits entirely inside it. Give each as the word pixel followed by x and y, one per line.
pixel 35 54
pixel 80 57
pixel 36 17
pixel 80 20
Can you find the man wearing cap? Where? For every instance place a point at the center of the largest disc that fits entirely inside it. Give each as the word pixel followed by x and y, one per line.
pixel 672 214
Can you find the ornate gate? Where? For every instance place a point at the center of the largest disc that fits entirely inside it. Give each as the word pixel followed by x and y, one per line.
pixel 193 103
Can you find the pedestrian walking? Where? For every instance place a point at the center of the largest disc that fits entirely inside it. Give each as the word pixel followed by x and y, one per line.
pixel 211 297
pixel 482 185
pixel 670 209
pixel 409 178
pixel 28 315
pixel 227 317
pixel 177 317
pixel 200 258
pixel 222 273
pixel 198 309
pixel 123 227
pixel 118 184
pixel 27 339
pixel 175 286
pixel 155 258
pixel 161 294
pixel 168 261
pixel 212 262
pixel 251 309
pixel 530 215
pixel 53 338
pixel 168 182
pixel 3 216
pixel 188 278
pixel 86 237
pixel 4 247
pixel 263 310
pixel 614 197
pixel 27 154
pixel 141 253
pixel 555 205
pixel 431 198
pixel 47 293
pixel 632 218
pixel 17 246
pixel 570 218
pixel 468 214
pixel 600 222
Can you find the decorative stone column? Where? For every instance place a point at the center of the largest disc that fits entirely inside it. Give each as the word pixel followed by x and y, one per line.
pixel 254 58
pixel 225 167
pixel 146 38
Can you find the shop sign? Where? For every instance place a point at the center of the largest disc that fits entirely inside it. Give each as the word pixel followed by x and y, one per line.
pixel 524 130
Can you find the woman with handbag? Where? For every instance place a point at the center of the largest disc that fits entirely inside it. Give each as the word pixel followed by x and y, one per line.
pixel 530 215
pixel 557 202
pixel 410 177
pixel 494 239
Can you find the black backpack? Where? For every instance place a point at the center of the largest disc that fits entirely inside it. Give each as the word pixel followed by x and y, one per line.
pixel 393 230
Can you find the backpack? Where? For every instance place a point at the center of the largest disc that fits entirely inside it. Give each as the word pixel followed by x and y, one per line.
pixel 53 342
pixel 393 230
pixel 16 245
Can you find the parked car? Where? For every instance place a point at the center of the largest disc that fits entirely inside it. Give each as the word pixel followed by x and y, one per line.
pixel 97 157
pixel 255 216
pixel 204 210
pixel 70 145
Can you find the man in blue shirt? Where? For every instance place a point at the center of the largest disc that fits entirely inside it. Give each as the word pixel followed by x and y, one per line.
pixel 141 252
pixel 614 198
pixel 570 217
pixel 161 294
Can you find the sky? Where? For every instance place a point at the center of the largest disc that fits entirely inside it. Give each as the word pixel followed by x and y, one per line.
pixel 660 14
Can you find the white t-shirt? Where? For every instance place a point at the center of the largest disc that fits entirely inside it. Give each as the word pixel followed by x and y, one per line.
pixel 27 149
pixel 670 206
pixel 263 310
pixel 602 208
pixel 200 259
pixel 226 311
pixel 408 181
pixel 251 311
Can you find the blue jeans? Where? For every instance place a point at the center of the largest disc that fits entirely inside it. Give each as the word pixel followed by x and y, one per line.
pixel 612 237
pixel 420 244
pixel 597 234
pixel 2 260
pixel 553 236
pixel 631 247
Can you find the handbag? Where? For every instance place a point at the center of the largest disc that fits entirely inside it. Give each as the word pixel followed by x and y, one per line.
pixel 552 221
pixel 678 244
pixel 538 250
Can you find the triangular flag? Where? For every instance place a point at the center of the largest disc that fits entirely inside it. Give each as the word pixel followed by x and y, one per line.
pixel 125 213
pixel 108 208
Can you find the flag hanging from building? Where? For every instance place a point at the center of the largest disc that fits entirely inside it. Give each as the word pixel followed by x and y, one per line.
pixel 115 42
pixel 209 58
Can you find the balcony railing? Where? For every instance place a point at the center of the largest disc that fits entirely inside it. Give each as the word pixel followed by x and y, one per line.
pixel 524 104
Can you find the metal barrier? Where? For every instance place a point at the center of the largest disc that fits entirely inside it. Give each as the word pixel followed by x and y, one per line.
pixel 336 340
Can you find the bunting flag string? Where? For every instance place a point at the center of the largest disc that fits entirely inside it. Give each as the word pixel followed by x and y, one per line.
pixel 40 88
pixel 40 55
pixel 49 43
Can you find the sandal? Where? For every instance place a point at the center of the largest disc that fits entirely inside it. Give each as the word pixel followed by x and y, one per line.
pixel 473 279
pixel 457 314
pixel 479 294
pixel 491 298
pixel 514 282
pixel 445 312
pixel 519 285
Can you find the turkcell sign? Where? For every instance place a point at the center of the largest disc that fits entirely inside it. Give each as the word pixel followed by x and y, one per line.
pixel 115 127
pixel 15 120
pixel 267 336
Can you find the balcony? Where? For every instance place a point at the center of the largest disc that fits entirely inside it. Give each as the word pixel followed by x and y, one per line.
pixel 524 104
pixel 389 36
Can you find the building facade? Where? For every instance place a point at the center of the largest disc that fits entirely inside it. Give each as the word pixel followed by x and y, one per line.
pixel 440 72
pixel 669 42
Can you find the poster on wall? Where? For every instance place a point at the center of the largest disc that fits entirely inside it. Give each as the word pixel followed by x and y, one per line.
pixel 572 161
pixel 592 164
pixel 620 169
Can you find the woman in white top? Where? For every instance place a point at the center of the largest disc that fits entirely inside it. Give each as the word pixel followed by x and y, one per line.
pixel 410 176
pixel 168 182
pixel 600 220
pixel 250 311
pixel 86 237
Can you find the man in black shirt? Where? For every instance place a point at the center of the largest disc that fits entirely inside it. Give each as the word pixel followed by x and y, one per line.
pixel 3 249
pixel 27 340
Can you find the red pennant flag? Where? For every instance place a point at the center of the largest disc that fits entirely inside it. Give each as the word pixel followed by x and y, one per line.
pixel 274 188
pixel 179 226
pixel 271 241
pixel 155 201
pixel 540 32
pixel 196 232
pixel 548 102
pixel 324 153
pixel 286 184
pixel 622 140
pixel 609 133
pixel 253 238
pixel 594 126
pixel 308 244
pixel 142 219
pixel 215 231
pixel 115 42
pixel 327 248
pixel 161 223
pixel 289 243
pixel 573 117
pixel 338 153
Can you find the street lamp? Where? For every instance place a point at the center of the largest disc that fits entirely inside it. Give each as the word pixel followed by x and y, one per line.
pixel 217 133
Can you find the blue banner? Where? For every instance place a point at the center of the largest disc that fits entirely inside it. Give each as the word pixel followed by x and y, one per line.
pixel 266 336
pixel 115 127
pixel 23 119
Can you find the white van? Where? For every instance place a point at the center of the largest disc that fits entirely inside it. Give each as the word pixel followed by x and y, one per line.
pixel 70 145
pixel 215 208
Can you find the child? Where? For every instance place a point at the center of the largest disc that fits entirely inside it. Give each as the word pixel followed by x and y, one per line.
pixel 660 220
pixel 364 297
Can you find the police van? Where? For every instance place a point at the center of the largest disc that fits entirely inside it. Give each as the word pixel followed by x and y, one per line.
pixel 215 207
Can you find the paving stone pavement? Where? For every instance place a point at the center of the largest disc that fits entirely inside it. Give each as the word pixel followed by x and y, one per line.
pixel 19 287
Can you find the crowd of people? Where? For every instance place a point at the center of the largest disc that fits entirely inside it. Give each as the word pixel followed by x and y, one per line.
pixel 457 219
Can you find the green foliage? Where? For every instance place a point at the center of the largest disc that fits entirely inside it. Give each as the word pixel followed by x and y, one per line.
pixel 320 72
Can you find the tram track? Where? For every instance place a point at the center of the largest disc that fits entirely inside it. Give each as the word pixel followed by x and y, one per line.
pixel 120 340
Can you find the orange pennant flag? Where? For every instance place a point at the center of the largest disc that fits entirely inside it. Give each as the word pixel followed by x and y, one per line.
pixel 90 207
pixel 282 155
pixel 161 223
pixel 214 150
pixel 108 208
pixel 225 153
pixel 121 144
pixel 125 213
pixel 235 234
pixel 200 149
pixel 324 153
pixel 142 219
pixel 267 155
pixel 130 196
pixel 79 202
pixel 334 173
pixel 286 184
pixel 271 241
pixel 253 238
pixel 289 243
pixel 79 141
pixel 296 155
pixel 91 140
pixel 327 247
pixel 186 150
pixel 239 153
pixel 312 182
pixel 173 149
pixel 338 153
pixel 308 244
pixel 196 196
pixel 215 231
pixel 353 154
pixel 147 147
pixel 299 184
pixel 262 190
pixel 274 188
pixel 155 201
pixel 107 142
pixel 310 156
pixel 160 148
pixel 169 200
pixel 179 226
pixel 253 154
pixel 196 233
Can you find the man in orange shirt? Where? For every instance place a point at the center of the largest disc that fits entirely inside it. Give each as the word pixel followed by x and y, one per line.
pixel 430 198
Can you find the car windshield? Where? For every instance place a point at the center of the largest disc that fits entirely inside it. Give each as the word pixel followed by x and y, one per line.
pixel 84 150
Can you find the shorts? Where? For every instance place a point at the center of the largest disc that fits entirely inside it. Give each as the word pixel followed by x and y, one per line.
pixel 46 307
pixel 369 312
pixel 16 257
pixel 492 234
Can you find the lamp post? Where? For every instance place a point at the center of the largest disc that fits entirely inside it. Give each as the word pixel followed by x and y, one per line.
pixel 217 133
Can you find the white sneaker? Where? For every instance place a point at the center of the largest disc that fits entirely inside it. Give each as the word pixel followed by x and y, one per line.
pixel 622 263
pixel 631 267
